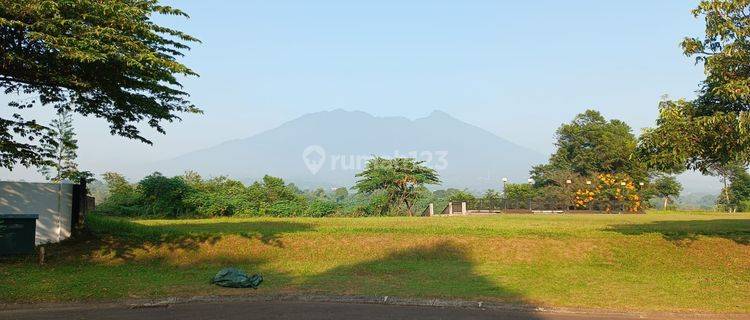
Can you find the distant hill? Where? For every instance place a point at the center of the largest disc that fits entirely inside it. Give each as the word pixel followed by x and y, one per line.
pixel 328 148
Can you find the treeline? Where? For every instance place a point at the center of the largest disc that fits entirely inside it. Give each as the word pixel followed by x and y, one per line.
pixel 190 195
pixel 598 165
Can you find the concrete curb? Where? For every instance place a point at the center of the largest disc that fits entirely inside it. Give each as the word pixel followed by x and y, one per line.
pixel 382 300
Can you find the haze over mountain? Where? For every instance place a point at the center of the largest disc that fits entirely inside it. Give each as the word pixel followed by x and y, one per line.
pixel 328 148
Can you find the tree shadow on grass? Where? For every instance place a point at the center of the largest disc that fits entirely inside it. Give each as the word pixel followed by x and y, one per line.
pixel 267 232
pixel 121 238
pixel 443 270
pixel 737 230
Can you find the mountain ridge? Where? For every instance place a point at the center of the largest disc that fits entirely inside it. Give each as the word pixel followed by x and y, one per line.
pixel 465 155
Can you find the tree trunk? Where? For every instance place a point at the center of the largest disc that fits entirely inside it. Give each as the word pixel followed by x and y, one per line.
pixel 666 202
pixel 726 194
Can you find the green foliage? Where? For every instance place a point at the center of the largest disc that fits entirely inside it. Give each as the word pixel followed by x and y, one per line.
pixel 725 54
pixel 215 197
pixel 321 208
pixel 590 145
pixel 711 131
pixel 491 194
pixel 519 191
pixel 62 147
pixel 122 199
pixel 736 196
pixel 594 157
pixel 684 139
pixel 666 187
pixel 461 196
pixel 340 194
pixel 190 195
pixel 106 59
pixel 160 195
pixel 400 179
pixel 283 208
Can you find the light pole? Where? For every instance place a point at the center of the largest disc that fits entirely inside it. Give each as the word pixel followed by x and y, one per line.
pixel 569 192
pixel 588 193
pixel 505 195
pixel 622 202
pixel 531 183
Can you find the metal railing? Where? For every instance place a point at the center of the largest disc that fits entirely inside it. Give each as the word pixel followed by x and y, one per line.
pixel 541 204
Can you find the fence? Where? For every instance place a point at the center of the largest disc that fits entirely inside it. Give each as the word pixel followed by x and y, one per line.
pixel 541 204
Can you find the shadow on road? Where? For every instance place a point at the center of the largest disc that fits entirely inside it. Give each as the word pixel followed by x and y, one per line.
pixel 737 230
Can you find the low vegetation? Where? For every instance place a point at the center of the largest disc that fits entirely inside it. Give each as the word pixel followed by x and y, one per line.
pixel 667 261
pixel 190 195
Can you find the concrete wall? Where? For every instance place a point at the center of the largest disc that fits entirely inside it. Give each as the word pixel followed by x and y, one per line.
pixel 53 202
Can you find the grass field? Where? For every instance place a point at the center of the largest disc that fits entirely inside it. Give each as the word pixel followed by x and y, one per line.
pixel 657 261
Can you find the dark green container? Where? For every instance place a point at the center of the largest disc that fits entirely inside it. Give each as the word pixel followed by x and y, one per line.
pixel 17 233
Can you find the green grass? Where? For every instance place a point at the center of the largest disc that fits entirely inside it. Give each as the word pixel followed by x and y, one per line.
pixel 658 261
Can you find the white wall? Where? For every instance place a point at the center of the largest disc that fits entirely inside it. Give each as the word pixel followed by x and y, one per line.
pixel 53 202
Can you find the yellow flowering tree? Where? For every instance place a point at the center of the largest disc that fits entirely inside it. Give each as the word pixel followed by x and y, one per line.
pixel 611 192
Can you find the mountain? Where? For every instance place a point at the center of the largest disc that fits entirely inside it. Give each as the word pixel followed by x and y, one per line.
pixel 326 149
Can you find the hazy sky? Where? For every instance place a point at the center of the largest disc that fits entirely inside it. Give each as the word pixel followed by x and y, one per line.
pixel 516 68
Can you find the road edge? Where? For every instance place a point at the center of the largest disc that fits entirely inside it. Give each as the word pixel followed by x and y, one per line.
pixel 354 299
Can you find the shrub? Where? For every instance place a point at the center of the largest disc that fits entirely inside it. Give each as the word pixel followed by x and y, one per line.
pixel 285 208
pixel 519 191
pixel 321 208
pixel 162 196
pixel 123 197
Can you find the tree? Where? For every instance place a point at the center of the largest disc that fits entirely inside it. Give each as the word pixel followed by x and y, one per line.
pixel 106 59
pixel 725 54
pixel 116 183
pixel 461 196
pixel 445 194
pixel 122 198
pixel 589 145
pixel 318 193
pixel 340 194
pixel 666 187
pixel 162 196
pixel 736 196
pixel 63 147
pixel 682 140
pixel 711 131
pixel 519 191
pixel 276 189
pixel 491 194
pixel 399 178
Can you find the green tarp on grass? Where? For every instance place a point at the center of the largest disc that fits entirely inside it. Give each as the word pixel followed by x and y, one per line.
pixel 236 278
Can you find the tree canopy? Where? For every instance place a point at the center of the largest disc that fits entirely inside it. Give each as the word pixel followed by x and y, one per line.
pixel 106 59
pixel 711 131
pixel 666 187
pixel 735 196
pixel 588 145
pixel 401 179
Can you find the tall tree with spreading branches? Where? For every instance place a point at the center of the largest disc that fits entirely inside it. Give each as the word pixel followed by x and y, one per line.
pixel 712 132
pixel 400 178
pixel 588 145
pixel 104 59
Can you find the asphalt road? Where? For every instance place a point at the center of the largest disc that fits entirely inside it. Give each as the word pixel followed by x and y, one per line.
pixel 285 310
